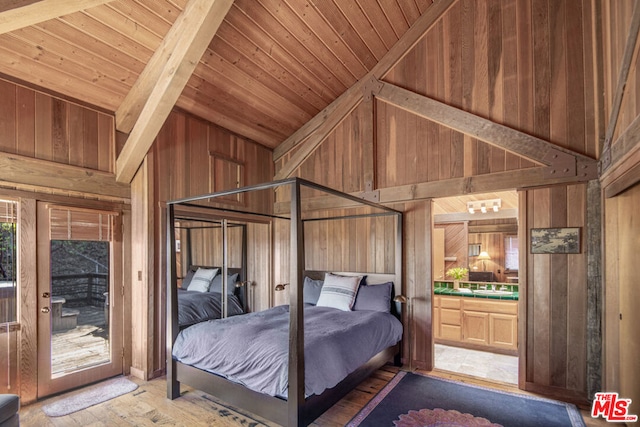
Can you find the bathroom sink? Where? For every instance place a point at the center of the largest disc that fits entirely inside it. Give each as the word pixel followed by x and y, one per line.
pixel 491 292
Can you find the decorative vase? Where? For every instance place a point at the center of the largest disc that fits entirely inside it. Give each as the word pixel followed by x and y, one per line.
pixel 456 284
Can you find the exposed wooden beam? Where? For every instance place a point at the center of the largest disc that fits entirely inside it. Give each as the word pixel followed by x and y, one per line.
pixel 19 14
pixel 312 133
pixel 45 174
pixel 190 36
pixel 630 52
pixel 513 141
pixel 466 216
pixel 624 158
pixel 499 181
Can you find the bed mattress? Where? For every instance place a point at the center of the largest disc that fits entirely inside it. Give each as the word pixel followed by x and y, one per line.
pixel 252 349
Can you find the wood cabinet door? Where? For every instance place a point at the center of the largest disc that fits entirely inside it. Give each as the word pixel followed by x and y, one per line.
pixel 475 327
pixel 503 330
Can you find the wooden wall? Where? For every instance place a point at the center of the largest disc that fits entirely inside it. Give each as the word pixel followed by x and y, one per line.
pixel 191 157
pixel 620 177
pixel 52 150
pixel 622 370
pixel 525 64
pixel 554 295
pixel 40 126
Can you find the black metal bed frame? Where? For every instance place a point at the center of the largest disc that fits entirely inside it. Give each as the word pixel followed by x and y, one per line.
pixel 297 410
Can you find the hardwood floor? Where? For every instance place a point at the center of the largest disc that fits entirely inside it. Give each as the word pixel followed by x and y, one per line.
pixel 148 406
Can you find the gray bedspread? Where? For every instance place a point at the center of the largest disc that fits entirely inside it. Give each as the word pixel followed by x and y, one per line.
pixel 253 349
pixel 195 307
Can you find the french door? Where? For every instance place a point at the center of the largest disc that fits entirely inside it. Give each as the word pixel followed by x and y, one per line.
pixel 79 296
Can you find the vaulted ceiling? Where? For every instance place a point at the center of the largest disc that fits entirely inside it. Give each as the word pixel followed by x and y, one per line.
pixel 268 66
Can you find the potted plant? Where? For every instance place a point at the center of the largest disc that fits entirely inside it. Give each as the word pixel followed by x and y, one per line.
pixel 457 273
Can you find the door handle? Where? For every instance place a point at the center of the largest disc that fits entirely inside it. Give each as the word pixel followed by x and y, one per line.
pixel 46 295
pixel 45 309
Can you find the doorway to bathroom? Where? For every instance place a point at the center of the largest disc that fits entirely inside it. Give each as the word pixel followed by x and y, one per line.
pixel 475 285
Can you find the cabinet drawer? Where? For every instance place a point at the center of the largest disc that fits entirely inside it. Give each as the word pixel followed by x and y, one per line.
pixel 450 317
pixel 487 306
pixel 450 303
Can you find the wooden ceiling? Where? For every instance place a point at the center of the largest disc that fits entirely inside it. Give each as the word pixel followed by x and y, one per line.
pixel 271 66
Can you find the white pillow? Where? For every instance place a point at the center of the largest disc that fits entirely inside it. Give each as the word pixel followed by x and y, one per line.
pixel 339 291
pixel 202 279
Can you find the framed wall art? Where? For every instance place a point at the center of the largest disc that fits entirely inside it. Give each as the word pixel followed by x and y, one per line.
pixel 555 240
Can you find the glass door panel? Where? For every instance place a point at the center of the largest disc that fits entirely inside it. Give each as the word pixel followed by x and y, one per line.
pixel 80 307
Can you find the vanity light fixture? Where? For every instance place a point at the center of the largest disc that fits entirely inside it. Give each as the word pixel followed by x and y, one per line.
pixel 484 205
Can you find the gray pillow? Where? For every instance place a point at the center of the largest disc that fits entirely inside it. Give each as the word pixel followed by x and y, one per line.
pixel 339 291
pixel 374 297
pixel 311 290
pixel 187 278
pixel 216 283
pixel 201 280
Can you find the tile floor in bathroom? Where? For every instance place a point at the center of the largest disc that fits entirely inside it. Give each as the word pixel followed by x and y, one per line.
pixel 491 366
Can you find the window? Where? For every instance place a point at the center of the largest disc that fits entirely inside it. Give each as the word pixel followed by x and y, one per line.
pixel 511 253
pixel 8 273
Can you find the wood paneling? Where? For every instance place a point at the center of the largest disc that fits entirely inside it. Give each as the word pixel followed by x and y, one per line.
pixel 182 157
pixel 43 127
pixel 334 245
pixel 522 64
pixel 270 68
pixel 555 295
pixel 622 293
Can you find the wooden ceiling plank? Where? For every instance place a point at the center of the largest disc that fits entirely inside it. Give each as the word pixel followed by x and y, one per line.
pixel 13 64
pixel 139 31
pixel 513 141
pixel 331 39
pixel 353 95
pixel 113 40
pixel 235 101
pixel 307 43
pixel 58 56
pixel 93 47
pixel 334 17
pixel 221 74
pixel 190 36
pixel 40 11
pixel 292 90
pixel 283 45
pixel 221 116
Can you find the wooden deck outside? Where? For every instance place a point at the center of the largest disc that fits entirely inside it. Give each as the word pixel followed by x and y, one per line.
pixel 85 345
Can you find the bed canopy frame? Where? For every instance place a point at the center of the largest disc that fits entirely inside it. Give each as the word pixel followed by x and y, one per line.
pixel 297 409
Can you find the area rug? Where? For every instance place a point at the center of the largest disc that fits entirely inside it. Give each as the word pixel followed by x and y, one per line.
pixel 97 394
pixel 418 400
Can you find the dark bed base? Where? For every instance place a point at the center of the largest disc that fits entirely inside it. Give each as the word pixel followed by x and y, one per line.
pixel 272 408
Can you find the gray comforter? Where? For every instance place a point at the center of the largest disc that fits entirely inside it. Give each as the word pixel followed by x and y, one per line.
pixel 253 349
pixel 195 307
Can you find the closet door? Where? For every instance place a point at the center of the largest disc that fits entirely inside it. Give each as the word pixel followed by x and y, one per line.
pixel 79 297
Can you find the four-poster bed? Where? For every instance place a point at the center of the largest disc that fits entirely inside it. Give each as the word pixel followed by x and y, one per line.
pixel 298 406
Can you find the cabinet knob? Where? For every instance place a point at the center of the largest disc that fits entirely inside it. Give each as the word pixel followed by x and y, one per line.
pixel 46 295
pixel 45 309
